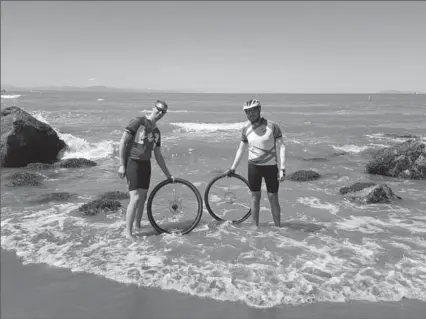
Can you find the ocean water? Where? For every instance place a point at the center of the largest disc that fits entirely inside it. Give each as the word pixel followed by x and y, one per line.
pixel 328 249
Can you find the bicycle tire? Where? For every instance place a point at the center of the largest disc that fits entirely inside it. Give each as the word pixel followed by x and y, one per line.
pixel 176 181
pixel 206 197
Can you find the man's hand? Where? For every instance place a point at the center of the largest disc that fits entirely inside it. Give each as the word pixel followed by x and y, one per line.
pixel 121 172
pixel 281 175
pixel 229 172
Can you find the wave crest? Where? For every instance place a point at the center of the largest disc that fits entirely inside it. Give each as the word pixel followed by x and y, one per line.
pixel 208 127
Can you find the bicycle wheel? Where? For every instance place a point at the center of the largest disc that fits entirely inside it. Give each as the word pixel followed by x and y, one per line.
pixel 174 207
pixel 228 198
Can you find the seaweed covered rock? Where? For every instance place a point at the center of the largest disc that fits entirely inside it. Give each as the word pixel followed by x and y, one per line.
pixel 24 139
pixel 356 187
pixel 404 160
pixel 53 197
pixel 99 205
pixel 24 179
pixel 304 175
pixel 76 163
pixel 40 166
pixel 114 195
pixel 369 193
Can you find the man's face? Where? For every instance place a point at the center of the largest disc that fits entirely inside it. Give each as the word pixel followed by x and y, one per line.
pixel 253 114
pixel 158 112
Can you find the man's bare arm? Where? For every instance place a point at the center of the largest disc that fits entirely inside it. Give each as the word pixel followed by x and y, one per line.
pixel 125 138
pixel 281 151
pixel 239 155
pixel 160 160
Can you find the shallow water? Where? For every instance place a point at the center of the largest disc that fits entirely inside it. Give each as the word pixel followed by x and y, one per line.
pixel 327 250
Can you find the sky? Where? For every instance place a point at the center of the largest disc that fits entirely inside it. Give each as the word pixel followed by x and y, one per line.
pixel 217 46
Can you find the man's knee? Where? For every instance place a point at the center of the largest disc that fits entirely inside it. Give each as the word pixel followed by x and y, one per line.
pixel 273 196
pixel 142 193
pixel 255 196
pixel 138 195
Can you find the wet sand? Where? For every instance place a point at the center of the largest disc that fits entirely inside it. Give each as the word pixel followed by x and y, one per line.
pixel 40 291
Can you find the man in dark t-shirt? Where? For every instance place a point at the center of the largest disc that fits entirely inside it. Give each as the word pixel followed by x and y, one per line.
pixel 140 138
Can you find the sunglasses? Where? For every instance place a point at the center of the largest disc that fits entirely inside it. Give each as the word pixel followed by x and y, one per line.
pixel 161 110
pixel 252 111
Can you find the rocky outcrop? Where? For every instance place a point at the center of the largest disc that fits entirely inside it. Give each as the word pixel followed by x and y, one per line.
pixel 114 195
pixel 404 160
pixel 99 205
pixel 24 139
pixel 40 166
pixel 24 179
pixel 303 175
pixel 76 163
pixel 356 187
pixel 369 193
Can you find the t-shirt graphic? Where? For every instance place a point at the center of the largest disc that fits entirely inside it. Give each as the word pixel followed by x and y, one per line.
pixel 261 141
pixel 145 137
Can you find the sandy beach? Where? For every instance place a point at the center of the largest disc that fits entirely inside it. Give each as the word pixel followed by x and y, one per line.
pixel 39 291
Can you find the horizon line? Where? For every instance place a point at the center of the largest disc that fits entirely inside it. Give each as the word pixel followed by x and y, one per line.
pixel 48 87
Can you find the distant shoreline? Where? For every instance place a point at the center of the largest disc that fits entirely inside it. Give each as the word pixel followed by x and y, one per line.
pixel 103 89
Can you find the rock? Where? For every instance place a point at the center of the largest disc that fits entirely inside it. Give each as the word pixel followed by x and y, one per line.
pixel 304 176
pixel 53 197
pixel 24 139
pixel 40 166
pixel 115 195
pixel 339 153
pixel 356 187
pixel 404 160
pixel 410 136
pixel 99 205
pixel 369 193
pixel 315 159
pixel 76 162
pixel 24 179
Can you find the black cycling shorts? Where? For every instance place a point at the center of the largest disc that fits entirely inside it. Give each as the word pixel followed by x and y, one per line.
pixel 138 174
pixel 268 172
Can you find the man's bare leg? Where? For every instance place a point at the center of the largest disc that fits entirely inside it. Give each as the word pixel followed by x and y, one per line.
pixel 131 212
pixel 255 207
pixel 275 208
pixel 139 212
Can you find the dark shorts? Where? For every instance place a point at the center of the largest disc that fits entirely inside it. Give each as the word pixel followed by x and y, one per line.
pixel 268 172
pixel 138 174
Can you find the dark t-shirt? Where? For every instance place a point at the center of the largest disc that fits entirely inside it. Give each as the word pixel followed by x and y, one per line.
pixel 145 137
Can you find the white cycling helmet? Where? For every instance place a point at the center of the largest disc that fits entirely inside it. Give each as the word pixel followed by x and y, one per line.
pixel 251 104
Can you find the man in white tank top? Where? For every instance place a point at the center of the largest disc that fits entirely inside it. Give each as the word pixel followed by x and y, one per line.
pixel 263 138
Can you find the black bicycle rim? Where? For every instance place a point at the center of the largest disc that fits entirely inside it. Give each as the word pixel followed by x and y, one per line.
pixel 178 181
pixel 206 197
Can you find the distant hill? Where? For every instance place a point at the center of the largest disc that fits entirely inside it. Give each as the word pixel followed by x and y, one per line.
pixel 399 92
pixel 96 88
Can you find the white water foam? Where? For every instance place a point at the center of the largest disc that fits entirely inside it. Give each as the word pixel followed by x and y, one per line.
pixel 208 127
pixel 326 269
pixel 11 96
pixel 350 148
pixel 79 147
pixel 391 139
pixel 316 203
